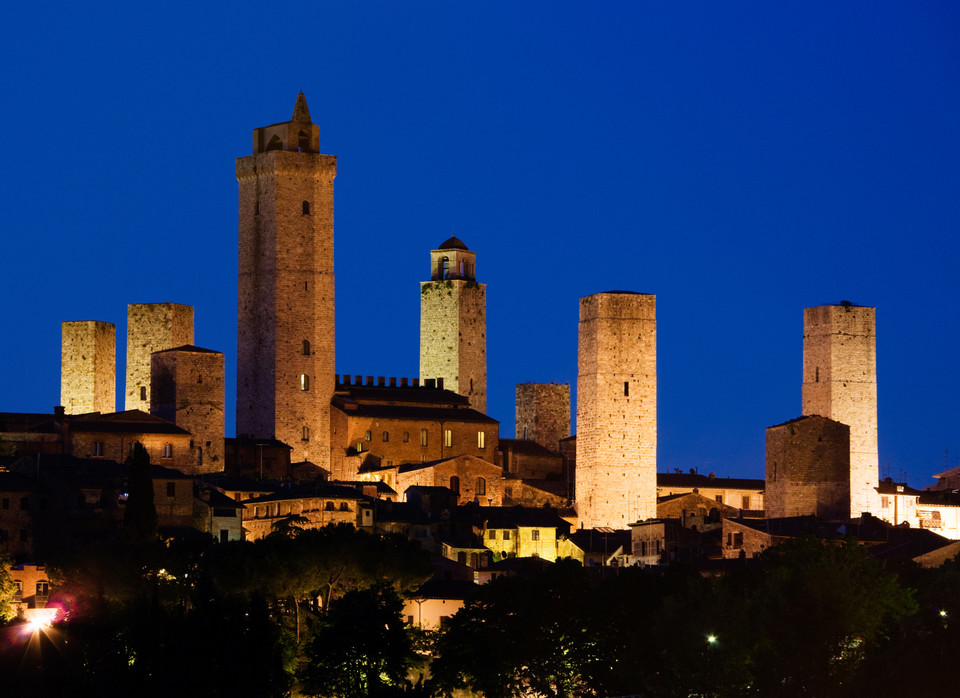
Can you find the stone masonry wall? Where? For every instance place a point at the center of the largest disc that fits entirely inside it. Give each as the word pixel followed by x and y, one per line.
pixel 285 338
pixel 616 471
pixel 88 367
pixel 453 337
pixel 543 413
pixel 188 390
pixel 840 382
pixel 808 469
pixel 152 327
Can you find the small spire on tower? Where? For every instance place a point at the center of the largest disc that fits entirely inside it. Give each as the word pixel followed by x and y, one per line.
pixel 301 114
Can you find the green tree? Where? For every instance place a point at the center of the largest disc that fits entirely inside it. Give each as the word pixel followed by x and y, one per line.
pixel 8 591
pixel 361 648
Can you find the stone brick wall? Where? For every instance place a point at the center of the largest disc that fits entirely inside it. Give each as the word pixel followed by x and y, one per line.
pixel 616 468
pixel 188 390
pixel 808 469
pixel 285 338
pixel 469 469
pixel 543 413
pixel 116 446
pixel 88 367
pixel 840 383
pixel 453 337
pixel 152 327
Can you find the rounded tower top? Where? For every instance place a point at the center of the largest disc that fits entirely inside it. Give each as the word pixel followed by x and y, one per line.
pixel 453 244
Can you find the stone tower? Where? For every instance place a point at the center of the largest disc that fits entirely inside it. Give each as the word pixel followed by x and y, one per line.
pixel 285 334
pixel 543 413
pixel 840 383
pixel 88 367
pixel 187 388
pixel 152 327
pixel 453 323
pixel 616 471
pixel 808 469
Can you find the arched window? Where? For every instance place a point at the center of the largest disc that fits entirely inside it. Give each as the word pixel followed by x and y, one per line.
pixel 406 437
pixel 306 208
pixel 444 267
pixel 166 451
pixel 344 506
pixel 481 487
pixel 306 347
pixel 386 436
pixel 303 142
pixel 330 507
pixel 455 484
pixel 306 434
pixel 275 143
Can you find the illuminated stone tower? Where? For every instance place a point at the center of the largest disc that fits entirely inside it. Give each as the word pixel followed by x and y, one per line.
pixel 88 367
pixel 285 334
pixel 453 323
pixel 187 388
pixel 840 383
pixel 616 472
pixel 543 413
pixel 152 327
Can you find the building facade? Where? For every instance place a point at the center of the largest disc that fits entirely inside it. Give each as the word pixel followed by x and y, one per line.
pixel 285 336
pixel 543 413
pixel 616 470
pixel 840 383
pixel 453 323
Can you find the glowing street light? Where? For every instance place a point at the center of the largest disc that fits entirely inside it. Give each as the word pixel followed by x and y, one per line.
pixel 711 639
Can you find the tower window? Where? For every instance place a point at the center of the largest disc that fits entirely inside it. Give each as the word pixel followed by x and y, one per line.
pixel 199 455
pixel 626 388
pixel 306 208
pixel 445 268
pixel 406 437
pixel 447 438
pixel 306 347
pixel 306 434
pixel 143 392
pixel 423 437
pixel 481 439
pixel 304 381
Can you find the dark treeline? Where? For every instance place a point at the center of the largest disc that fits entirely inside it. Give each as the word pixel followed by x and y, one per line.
pixel 194 617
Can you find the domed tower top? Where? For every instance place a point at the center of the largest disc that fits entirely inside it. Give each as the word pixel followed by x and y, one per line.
pixel 299 135
pixel 453 260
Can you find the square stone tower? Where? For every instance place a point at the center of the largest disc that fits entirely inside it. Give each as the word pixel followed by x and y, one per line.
pixel 453 323
pixel 187 388
pixel 840 383
pixel 285 333
pixel 543 413
pixel 88 367
pixel 808 469
pixel 152 327
pixel 616 471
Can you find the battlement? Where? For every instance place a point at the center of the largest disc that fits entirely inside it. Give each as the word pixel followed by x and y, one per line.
pixel 360 381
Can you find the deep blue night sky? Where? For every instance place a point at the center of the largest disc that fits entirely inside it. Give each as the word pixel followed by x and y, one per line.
pixel 740 160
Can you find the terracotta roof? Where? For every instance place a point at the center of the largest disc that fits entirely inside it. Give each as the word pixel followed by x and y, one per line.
pixel 131 421
pixel 704 481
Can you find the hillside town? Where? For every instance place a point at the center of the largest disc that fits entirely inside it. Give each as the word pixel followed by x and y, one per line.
pixel 416 459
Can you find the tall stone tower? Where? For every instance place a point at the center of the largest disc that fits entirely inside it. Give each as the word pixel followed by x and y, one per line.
pixel 616 471
pixel 187 388
pixel 152 327
pixel 285 334
pixel 840 383
pixel 88 367
pixel 543 413
pixel 453 323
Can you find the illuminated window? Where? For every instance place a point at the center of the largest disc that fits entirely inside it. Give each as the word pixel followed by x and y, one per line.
pixel 423 437
pixel 306 208
pixel 447 438
pixel 368 435
pixel 481 487
pixel 304 381
pixel 481 439
pixel 166 451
